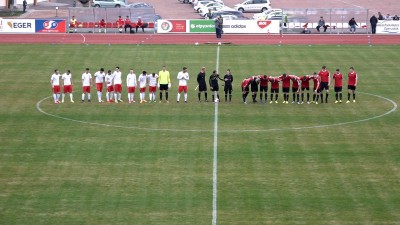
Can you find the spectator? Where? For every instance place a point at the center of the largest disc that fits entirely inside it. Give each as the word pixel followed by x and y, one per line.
pixel 395 17
pixel 73 24
pixel 139 23
pixel 102 25
pixel 24 4
pixel 218 27
pixel 209 15
pixel 373 20
pixel 321 23
pixel 128 24
pixel 353 24
pixel 380 17
pixel 120 24
pixel 388 17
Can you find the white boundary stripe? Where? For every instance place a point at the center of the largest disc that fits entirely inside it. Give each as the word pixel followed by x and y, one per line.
pixel 84 39
pixel 394 104
pixel 215 148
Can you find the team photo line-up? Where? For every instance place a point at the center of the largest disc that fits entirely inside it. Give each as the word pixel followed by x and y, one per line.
pixel 254 84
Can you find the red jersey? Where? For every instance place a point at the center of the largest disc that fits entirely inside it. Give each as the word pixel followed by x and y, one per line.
pixel 102 23
pixel 285 81
pixel 325 76
pixel 274 82
pixel 352 79
pixel 317 80
pixel 127 21
pixel 264 81
pixel 139 22
pixel 120 22
pixel 246 82
pixel 338 77
pixel 295 81
pixel 305 81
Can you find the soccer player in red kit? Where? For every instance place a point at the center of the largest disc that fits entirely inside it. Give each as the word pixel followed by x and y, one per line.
pixel 285 87
pixel 338 77
pixel 305 85
pixel 120 24
pixel 351 84
pixel 295 88
pixel 127 23
pixel 325 83
pixel 264 87
pixel 317 80
pixel 274 88
pixel 245 88
pixel 55 85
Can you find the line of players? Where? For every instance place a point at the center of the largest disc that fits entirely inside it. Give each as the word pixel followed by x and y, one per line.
pixel 321 81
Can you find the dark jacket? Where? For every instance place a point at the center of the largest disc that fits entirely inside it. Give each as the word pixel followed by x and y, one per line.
pixel 373 20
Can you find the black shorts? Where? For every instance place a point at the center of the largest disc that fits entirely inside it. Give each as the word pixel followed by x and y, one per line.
pixel 228 88
pixel 264 88
pixel 294 89
pixel 254 88
pixel 202 87
pixel 324 86
pixel 245 89
pixel 305 88
pixel 214 88
pixel 275 90
pixel 338 89
pixel 163 87
pixel 351 87
pixel 285 89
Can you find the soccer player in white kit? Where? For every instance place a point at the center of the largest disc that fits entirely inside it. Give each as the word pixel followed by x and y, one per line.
pixel 86 83
pixel 99 80
pixel 153 80
pixel 183 77
pixel 142 86
pixel 117 84
pixel 55 85
pixel 131 84
pixel 67 85
pixel 110 88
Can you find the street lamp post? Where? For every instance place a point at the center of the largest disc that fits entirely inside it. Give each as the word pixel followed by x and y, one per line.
pixel 57 11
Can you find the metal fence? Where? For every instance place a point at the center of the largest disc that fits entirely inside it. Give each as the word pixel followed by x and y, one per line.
pixel 84 14
pixel 306 20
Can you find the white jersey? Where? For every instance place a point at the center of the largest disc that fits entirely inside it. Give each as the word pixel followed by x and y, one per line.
pixel 67 78
pixel 131 80
pixel 142 81
pixel 86 78
pixel 109 80
pixel 152 80
pixel 117 77
pixel 99 77
pixel 55 79
pixel 183 77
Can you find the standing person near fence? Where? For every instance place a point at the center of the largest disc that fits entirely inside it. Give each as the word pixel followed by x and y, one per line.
pixel 374 21
pixel 352 25
pixel 24 4
pixel 218 27
pixel 321 23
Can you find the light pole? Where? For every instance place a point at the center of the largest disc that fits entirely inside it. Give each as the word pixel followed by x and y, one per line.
pixel 57 11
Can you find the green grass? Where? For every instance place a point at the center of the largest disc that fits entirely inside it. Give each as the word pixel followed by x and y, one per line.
pixel 135 168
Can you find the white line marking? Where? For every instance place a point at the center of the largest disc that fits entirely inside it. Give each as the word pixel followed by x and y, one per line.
pixel 84 39
pixel 215 148
pixel 394 104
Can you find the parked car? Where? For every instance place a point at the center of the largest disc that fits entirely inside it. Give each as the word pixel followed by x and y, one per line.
pixel 108 3
pixel 266 13
pixel 237 14
pixel 139 5
pixel 253 6
pixel 203 12
pixel 201 4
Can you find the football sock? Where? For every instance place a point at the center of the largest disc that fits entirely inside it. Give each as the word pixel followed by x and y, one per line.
pixel 294 97
pixel 205 95
pixel 226 97
pixel 298 97
pixel 308 97
pixel 261 97
pixel 336 96
pixel 71 97
pixel 55 97
pixel 302 97
pixel 326 97
pixel 276 97
pixel 115 96
pixel 322 97
pixel 272 96
pixel 83 96
pixel 254 97
pixel 266 96
pixel 88 96
pixel 178 97
pixel 99 95
pixel 108 96
pixel 185 96
pixel 160 96
pixel 166 95
pixel 218 97
pixel 348 96
pixel 313 97
pixel 354 96
pixel 62 97
pixel 340 96
pixel 198 95
pixel 212 97
pixel 230 97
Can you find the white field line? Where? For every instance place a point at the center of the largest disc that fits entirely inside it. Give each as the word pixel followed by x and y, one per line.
pixel 393 109
pixel 84 39
pixel 215 148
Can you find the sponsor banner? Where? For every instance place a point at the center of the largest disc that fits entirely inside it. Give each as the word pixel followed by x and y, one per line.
pixel 1 24
pixel 251 26
pixel 201 26
pixel 171 26
pixel 18 25
pixel 50 26
pixel 388 27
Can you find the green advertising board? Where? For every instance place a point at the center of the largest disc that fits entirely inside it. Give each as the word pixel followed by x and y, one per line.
pixel 202 26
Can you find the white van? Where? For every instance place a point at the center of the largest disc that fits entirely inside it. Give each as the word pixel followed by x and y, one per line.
pixel 253 6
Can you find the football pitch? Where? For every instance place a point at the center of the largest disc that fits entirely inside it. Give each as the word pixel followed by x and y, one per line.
pixel 200 162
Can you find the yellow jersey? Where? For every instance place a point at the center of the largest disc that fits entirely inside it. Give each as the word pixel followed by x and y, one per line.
pixel 163 77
